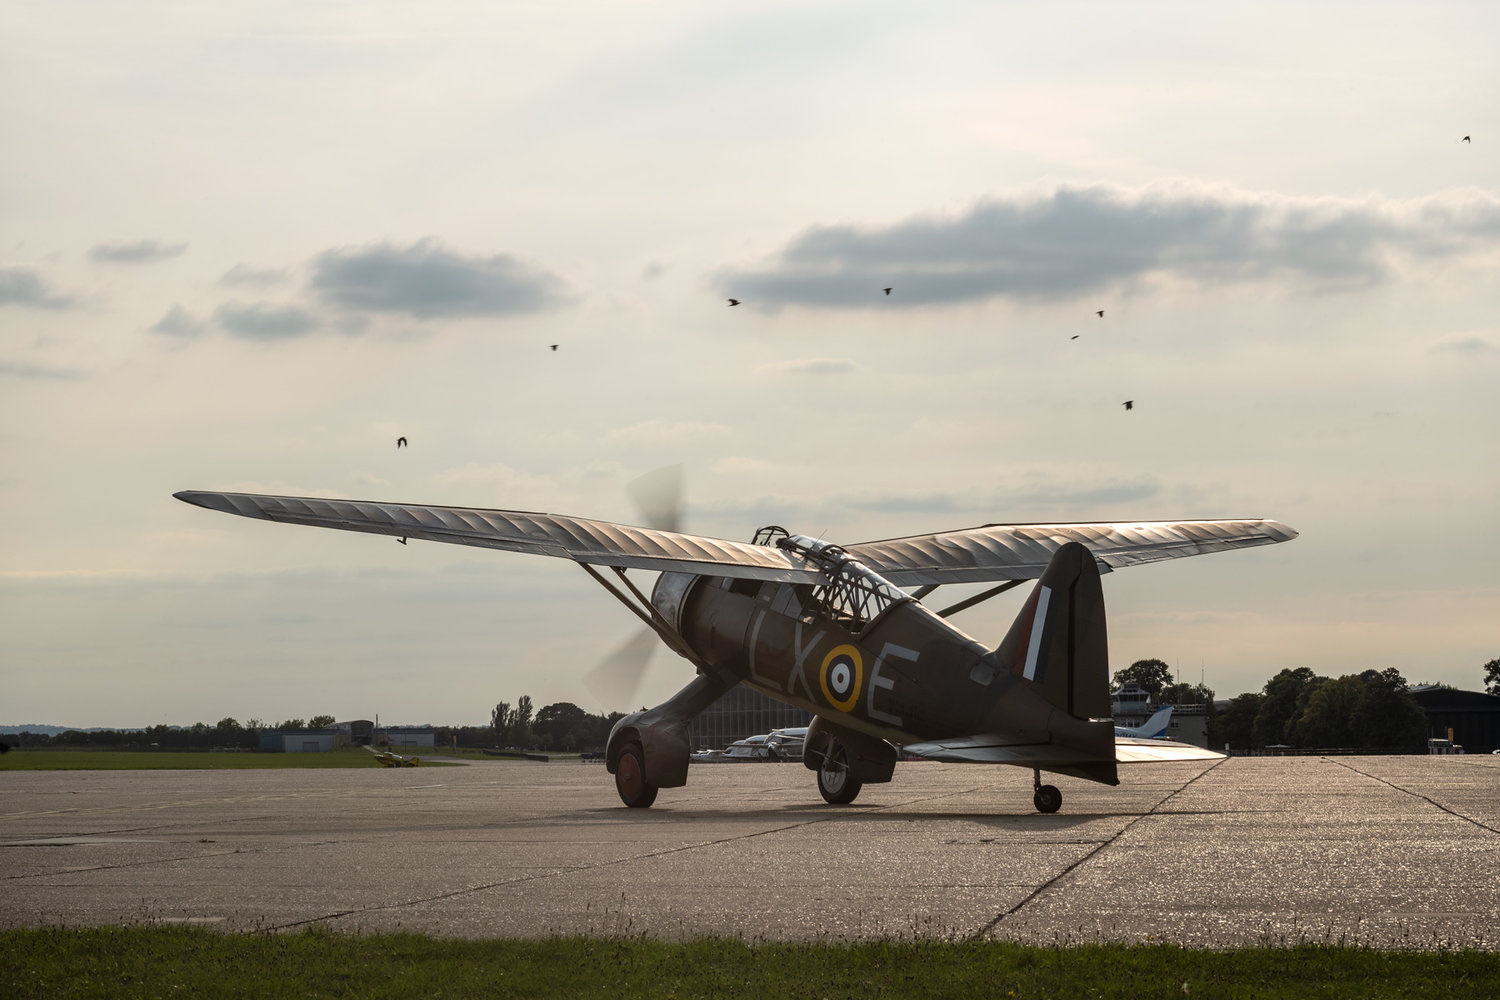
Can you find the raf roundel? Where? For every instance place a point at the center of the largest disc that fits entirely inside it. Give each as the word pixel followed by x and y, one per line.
pixel 842 673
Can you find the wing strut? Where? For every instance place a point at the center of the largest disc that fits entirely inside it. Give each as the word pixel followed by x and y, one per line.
pixel 650 616
pixel 979 598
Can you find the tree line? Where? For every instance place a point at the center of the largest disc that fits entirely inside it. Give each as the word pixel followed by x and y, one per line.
pixel 1373 709
pixel 560 726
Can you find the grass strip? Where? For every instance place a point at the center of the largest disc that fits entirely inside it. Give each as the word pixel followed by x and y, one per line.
pixel 190 760
pixel 156 961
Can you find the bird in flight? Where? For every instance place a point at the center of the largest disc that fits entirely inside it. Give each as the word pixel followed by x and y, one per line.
pixel 734 302
pixel 401 442
pixel 554 347
pixel 1466 139
pixel 1129 404
pixel 887 291
pixel 401 540
pixel 1074 337
pixel 1099 313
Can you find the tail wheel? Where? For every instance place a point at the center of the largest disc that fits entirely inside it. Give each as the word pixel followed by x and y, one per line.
pixel 834 781
pixel 630 778
pixel 1047 798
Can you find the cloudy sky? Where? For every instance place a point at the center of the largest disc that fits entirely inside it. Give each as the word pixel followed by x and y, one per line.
pixel 246 246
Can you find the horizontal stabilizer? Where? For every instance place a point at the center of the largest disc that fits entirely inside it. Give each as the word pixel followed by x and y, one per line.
pixel 984 749
pixel 1130 750
pixel 988 749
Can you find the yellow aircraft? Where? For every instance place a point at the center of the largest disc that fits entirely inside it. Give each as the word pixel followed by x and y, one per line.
pixel 389 759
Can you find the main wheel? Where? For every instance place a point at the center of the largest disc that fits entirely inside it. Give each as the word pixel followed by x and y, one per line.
pixel 1048 799
pixel 630 778
pixel 834 782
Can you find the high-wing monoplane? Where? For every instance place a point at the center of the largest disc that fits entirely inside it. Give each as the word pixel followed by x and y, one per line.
pixel 830 629
pixel 389 758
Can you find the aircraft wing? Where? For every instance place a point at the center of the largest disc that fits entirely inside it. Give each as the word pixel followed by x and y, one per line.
pixel 598 543
pixel 1022 551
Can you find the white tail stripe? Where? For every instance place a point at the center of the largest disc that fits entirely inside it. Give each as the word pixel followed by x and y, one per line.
pixel 1038 626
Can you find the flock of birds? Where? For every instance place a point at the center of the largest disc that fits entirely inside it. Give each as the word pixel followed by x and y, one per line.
pixel 1129 404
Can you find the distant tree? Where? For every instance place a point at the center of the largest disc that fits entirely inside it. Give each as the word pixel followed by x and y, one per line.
pixel 1326 715
pixel 320 722
pixel 500 723
pixel 521 728
pixel 1280 704
pixel 1387 715
pixel 255 725
pixel 559 723
pixel 1235 726
pixel 1148 675
pixel 1492 677
pixel 1183 693
pixel 292 724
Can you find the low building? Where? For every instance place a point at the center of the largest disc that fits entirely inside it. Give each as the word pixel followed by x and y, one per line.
pixel 303 740
pixel 742 712
pixel 1132 706
pixel 409 736
pixel 1473 716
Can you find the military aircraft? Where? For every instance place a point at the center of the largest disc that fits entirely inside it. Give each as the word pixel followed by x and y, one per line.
pixel 829 629
pixel 389 758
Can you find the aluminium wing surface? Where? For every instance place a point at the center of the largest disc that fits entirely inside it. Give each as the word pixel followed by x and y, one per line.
pixel 598 543
pixel 994 749
pixel 1022 551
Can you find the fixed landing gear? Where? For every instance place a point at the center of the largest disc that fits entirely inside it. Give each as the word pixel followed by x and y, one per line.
pixel 1046 797
pixel 630 778
pixel 834 782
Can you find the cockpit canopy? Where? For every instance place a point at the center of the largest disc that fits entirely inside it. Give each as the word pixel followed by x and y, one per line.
pixel 853 593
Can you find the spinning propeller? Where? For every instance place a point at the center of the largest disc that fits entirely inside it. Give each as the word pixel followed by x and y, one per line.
pixel 616 678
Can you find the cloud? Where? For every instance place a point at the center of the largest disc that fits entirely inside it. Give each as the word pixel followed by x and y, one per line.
pixel 1043 492
pixel 245 276
pixel 497 479
pixel 138 252
pixel 22 286
pixel 264 321
pixel 427 281
pixel 811 366
pixel 178 322
pixel 662 432
pixel 16 370
pixel 1107 491
pixel 1077 240
pixel 1471 345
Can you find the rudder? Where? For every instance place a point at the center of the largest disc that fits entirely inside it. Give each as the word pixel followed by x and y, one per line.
pixel 1059 640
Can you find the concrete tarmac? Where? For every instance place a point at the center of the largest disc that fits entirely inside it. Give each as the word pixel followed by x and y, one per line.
pixel 1387 851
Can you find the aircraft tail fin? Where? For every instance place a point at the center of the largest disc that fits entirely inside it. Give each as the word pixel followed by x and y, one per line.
pixel 1059 640
pixel 1155 727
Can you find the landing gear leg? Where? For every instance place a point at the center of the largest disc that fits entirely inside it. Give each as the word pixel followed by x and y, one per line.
pixel 1046 797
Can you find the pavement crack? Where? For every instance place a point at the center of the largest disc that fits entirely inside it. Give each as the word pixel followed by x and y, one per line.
pixel 649 855
pixel 981 932
pixel 1425 798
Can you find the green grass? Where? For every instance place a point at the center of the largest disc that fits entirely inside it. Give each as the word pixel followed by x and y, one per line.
pixel 192 962
pixel 28 759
